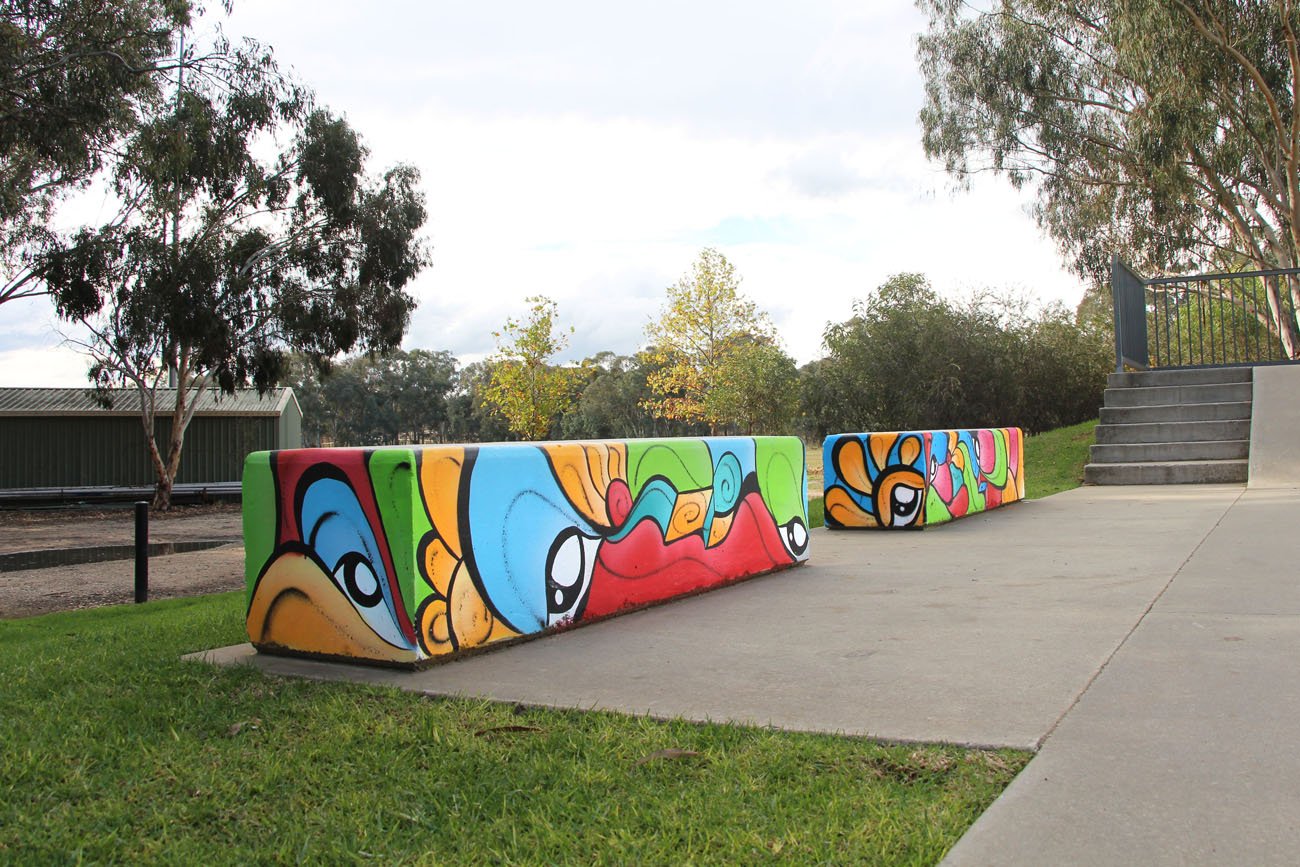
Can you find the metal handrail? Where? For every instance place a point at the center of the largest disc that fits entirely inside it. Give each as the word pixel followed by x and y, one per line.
pixel 1223 275
pixel 1170 321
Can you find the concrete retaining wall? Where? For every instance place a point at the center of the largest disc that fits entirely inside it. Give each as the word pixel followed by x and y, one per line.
pixel 1275 418
pixel 403 555
pixel 915 478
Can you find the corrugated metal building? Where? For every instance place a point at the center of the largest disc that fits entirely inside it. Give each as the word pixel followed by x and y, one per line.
pixel 60 437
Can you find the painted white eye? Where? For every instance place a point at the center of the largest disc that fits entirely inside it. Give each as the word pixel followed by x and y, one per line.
pixel 795 537
pixel 365 580
pixel 565 568
pixel 359 579
pixel 364 586
pixel 568 574
pixel 904 504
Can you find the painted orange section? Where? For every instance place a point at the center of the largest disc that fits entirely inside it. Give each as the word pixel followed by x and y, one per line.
pixel 719 528
pixel 910 450
pixel 297 606
pixel 846 512
pixel 688 515
pixel 853 466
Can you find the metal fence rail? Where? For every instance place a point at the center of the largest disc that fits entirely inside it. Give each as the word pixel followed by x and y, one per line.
pixel 1204 320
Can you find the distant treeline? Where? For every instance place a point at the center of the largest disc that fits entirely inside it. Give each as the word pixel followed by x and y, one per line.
pixel 906 359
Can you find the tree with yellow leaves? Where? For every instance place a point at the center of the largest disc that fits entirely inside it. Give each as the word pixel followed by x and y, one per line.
pixel 704 320
pixel 525 388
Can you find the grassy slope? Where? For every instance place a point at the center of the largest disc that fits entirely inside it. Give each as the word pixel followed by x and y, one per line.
pixel 112 749
pixel 1054 460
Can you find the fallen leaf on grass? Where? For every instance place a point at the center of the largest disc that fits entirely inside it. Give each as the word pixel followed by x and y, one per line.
pixel 939 762
pixel 240 726
pixel 481 733
pixel 668 754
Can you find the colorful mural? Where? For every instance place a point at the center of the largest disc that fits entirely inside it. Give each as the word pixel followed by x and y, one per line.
pixel 401 555
pixel 915 478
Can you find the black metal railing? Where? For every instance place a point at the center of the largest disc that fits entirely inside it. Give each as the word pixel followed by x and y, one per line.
pixel 1204 320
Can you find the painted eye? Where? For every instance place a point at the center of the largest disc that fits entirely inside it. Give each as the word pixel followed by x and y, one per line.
pixel 359 579
pixel 568 574
pixel 904 503
pixel 795 537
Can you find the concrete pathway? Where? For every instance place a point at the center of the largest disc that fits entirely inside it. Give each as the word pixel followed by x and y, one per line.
pixel 1183 750
pixel 1144 639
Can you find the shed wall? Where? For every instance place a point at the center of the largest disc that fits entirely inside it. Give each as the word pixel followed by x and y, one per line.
pixel 82 451
pixel 290 427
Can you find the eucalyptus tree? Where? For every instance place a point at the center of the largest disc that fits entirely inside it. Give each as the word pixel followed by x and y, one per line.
pixel 75 78
pixel 1162 130
pixel 248 226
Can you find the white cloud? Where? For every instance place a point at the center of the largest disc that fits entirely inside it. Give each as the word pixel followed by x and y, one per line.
pixel 46 367
pixel 587 151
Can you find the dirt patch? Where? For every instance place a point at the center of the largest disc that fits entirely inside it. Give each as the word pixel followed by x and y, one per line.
pixel 28 592
pixel 41 530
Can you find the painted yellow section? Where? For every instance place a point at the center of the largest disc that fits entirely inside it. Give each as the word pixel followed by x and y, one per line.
pixel 1020 465
pixel 584 471
pixel 471 619
pixel 457 618
pixel 436 627
pixel 297 606
pixel 440 563
pixel 440 471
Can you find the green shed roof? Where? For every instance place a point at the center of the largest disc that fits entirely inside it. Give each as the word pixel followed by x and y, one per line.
pixel 81 402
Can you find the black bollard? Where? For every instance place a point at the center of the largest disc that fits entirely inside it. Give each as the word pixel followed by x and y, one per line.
pixel 141 552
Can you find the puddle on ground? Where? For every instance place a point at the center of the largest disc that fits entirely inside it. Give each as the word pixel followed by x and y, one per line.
pixel 75 556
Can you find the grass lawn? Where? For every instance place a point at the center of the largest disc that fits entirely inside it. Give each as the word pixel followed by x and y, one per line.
pixel 113 749
pixel 1054 460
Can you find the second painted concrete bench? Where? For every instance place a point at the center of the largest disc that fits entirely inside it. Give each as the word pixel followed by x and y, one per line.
pixel 916 478
pixel 402 556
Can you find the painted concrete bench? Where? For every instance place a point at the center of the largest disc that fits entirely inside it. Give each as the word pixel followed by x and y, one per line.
pixel 916 478
pixel 401 556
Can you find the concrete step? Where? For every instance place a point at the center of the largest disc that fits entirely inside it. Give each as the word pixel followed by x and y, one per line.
pixel 1167 473
pixel 1176 412
pixel 1179 376
pixel 1173 431
pixel 1163 395
pixel 1133 453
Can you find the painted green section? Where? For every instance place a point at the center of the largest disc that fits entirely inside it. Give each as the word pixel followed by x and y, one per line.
pixel 998 476
pixel 970 474
pixel 392 472
pixel 420 527
pixel 259 515
pixel 685 463
pixel 782 477
pixel 936 510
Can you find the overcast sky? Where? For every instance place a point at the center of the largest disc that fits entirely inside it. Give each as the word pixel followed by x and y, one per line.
pixel 588 150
